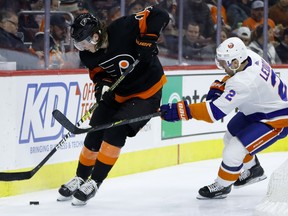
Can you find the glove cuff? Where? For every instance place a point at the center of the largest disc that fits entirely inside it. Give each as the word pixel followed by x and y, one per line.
pixel 183 110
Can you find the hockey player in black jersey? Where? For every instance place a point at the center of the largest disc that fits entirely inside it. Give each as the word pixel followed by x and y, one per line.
pixel 107 52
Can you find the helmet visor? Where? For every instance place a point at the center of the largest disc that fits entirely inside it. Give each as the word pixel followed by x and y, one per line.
pixel 84 44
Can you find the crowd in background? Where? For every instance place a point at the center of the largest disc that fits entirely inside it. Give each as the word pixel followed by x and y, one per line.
pixel 22 32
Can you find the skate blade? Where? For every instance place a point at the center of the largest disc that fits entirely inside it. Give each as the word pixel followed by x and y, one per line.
pixel 63 198
pixel 77 202
pixel 255 180
pixel 223 196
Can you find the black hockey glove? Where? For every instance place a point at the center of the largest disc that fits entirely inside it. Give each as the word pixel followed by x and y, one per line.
pixel 101 87
pixel 216 89
pixel 146 46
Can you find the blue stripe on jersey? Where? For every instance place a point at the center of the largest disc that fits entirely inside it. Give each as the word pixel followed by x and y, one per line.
pixel 217 113
pixel 231 169
pixel 260 116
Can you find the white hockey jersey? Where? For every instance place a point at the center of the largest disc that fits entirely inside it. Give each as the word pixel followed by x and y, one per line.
pixel 256 91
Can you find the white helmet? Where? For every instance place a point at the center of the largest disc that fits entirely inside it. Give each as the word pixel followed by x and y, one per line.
pixel 230 49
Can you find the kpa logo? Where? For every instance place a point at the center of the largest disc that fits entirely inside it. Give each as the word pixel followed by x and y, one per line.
pixel 37 122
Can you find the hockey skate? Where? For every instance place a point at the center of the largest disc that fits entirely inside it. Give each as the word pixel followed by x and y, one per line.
pixel 67 190
pixel 84 193
pixel 213 191
pixel 250 176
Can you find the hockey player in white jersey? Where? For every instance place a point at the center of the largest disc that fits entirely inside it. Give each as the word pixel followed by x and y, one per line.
pixel 261 97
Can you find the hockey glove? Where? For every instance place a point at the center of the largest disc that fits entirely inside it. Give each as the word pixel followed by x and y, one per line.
pixel 217 89
pixel 175 111
pixel 146 46
pixel 101 87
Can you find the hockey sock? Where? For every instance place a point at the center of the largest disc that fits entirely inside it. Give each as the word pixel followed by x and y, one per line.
pixel 107 157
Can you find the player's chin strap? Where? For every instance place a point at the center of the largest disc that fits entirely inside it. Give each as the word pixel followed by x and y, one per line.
pixel 23 175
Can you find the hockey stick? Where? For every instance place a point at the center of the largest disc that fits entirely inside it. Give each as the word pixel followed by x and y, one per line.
pixel 13 176
pixel 76 130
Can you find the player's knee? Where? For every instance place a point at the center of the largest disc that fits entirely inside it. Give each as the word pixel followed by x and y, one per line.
pixel 93 141
pixel 234 152
pixel 227 137
pixel 116 136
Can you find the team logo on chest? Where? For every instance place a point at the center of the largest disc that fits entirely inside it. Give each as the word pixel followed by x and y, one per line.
pixel 117 65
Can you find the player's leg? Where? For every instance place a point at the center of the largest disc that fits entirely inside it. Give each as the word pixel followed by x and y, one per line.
pixel 255 138
pixel 252 139
pixel 88 153
pixel 216 190
pixel 113 140
pixel 235 126
pixel 229 171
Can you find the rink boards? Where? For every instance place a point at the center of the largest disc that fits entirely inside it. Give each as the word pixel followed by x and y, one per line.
pixel 29 132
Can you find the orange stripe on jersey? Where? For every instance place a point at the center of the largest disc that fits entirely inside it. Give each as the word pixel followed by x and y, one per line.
pixel 199 111
pixel 145 94
pixel 142 16
pixel 247 158
pixel 263 140
pixel 281 123
pixel 87 157
pixel 95 71
pixel 108 154
pixel 227 176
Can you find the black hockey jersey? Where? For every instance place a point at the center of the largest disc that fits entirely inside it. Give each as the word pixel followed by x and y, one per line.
pixel 147 77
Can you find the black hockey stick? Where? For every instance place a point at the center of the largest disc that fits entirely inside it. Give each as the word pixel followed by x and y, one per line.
pixel 13 176
pixel 76 130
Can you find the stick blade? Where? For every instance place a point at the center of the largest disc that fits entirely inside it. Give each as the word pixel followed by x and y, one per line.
pixel 15 176
pixel 64 121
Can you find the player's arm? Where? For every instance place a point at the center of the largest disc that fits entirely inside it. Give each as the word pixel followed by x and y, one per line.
pixel 217 88
pixel 209 111
pixel 182 111
pixel 152 21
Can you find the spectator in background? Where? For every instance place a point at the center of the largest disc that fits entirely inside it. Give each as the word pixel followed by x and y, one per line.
pixel 72 7
pixel 113 14
pixel 58 30
pixel 256 45
pixel 237 11
pixel 198 11
pixel 100 8
pixel 256 18
pixel 54 5
pixel 11 47
pixel 193 42
pixel 208 52
pixel 168 41
pixel 279 13
pixel 37 5
pixel 244 34
pixel 212 4
pixel 135 7
pixel 28 24
pixel 170 6
pixel 37 47
pixel 58 33
pixel 282 48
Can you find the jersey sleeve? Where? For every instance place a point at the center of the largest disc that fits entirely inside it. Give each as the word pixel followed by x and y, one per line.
pixel 152 20
pixel 211 111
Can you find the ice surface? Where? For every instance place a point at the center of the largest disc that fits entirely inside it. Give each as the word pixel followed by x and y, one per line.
pixel 169 191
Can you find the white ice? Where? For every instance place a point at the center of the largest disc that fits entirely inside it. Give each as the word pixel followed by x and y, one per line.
pixel 169 191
